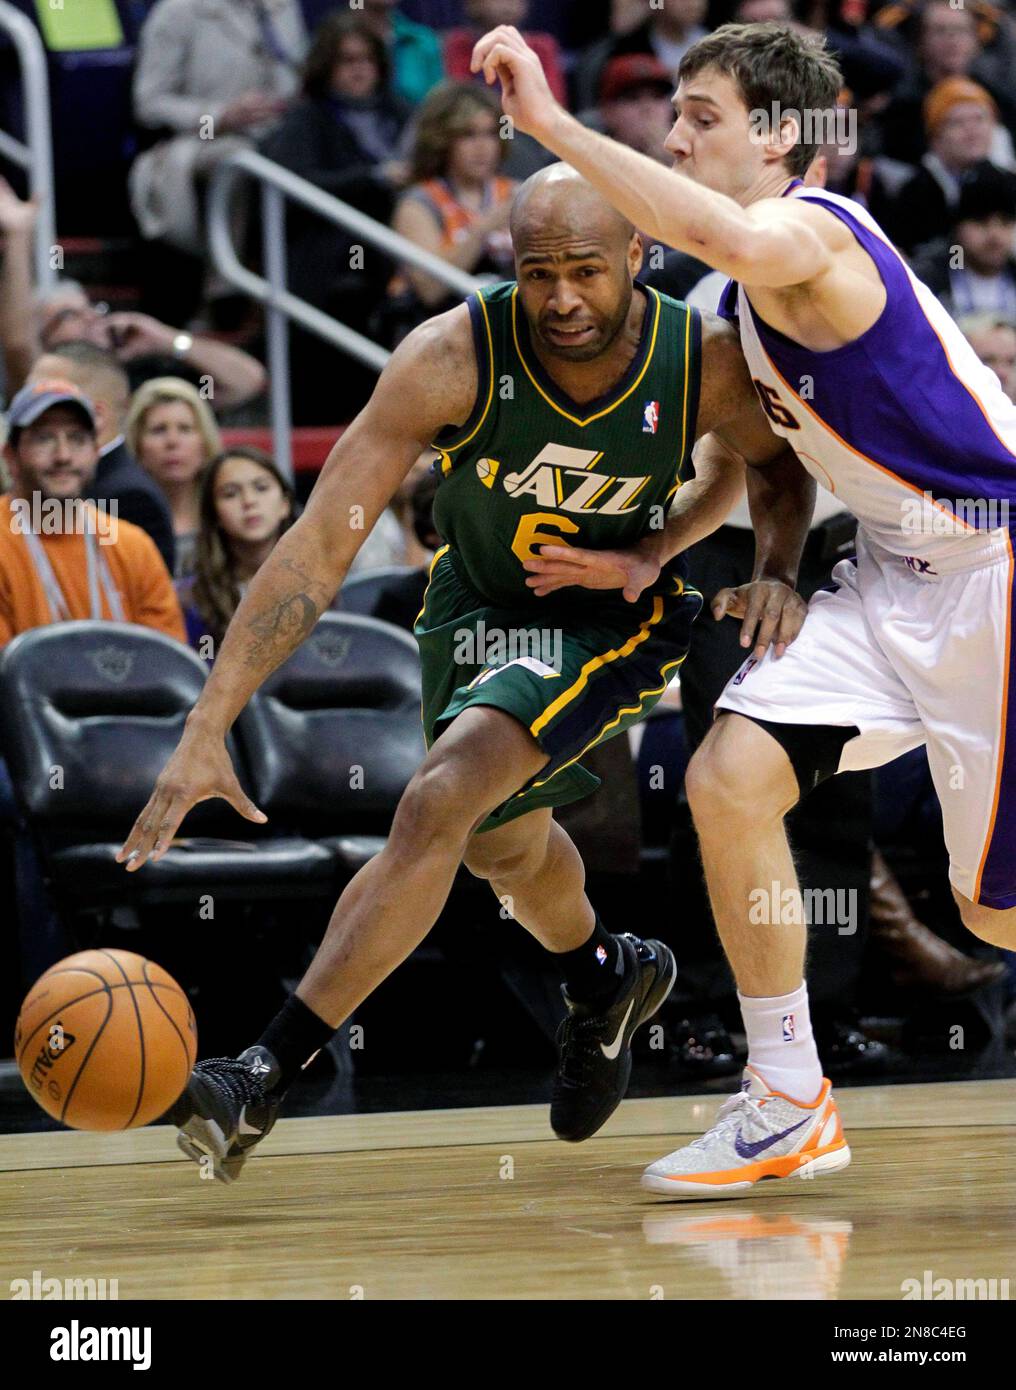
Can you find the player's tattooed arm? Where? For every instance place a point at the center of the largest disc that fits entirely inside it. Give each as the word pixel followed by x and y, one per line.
pixel 430 382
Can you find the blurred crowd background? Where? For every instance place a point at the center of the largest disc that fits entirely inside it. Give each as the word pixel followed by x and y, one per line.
pixel 156 397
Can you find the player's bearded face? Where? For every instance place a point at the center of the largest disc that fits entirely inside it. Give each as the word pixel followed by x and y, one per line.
pixel 576 312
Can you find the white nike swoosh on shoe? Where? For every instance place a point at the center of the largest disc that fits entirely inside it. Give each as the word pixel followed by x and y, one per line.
pixel 243 1127
pixel 615 1047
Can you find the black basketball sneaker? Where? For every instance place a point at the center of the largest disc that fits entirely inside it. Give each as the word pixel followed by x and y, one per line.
pixel 228 1106
pixel 595 1041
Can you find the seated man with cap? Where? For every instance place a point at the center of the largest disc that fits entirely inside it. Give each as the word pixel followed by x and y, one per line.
pixel 61 557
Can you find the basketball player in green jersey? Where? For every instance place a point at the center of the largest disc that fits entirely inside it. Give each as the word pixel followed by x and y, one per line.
pixel 563 407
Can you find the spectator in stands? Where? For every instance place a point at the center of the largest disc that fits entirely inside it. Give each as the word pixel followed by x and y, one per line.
pixel 948 46
pixel 343 135
pixel 415 50
pixel 118 477
pixel 485 15
pixel 395 539
pixel 635 103
pixel 458 204
pixel 960 118
pixel 401 597
pixel 524 155
pixel 974 268
pixel 173 435
pixel 210 78
pixel 17 343
pixel 147 348
pixel 61 558
pixel 667 33
pixel 993 338
pixel 246 505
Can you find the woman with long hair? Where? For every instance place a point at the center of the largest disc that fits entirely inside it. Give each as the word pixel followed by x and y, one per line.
pixel 172 433
pixel 458 204
pixel 245 505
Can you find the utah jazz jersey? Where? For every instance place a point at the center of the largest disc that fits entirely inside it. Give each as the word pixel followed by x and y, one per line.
pixel 531 466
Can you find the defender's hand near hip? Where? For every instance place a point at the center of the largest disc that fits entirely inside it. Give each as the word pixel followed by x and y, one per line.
pixel 771 612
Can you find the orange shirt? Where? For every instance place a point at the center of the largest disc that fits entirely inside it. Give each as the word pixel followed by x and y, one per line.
pixel 137 569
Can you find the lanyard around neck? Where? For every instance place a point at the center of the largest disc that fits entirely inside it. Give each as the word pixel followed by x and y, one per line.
pixel 99 578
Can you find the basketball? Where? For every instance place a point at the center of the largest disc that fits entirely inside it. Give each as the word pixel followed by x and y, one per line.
pixel 105 1040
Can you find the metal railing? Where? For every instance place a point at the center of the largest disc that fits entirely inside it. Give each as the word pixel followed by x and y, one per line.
pixel 35 156
pixel 277 184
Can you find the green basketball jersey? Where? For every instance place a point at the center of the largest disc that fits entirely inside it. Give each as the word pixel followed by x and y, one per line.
pixel 530 466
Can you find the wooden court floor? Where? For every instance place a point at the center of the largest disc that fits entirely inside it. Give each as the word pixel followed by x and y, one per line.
pixel 485 1203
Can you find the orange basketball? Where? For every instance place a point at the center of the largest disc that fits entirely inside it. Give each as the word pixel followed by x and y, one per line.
pixel 105 1040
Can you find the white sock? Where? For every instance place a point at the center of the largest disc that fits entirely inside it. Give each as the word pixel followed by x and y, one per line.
pixel 780 1044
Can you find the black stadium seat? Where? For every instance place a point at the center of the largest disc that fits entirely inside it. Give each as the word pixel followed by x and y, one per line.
pixel 92 712
pixel 361 593
pixel 334 735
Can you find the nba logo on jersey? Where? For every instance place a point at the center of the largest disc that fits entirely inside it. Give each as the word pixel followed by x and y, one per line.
pixel 650 417
pixel 744 671
pixel 601 954
pixel 789 1029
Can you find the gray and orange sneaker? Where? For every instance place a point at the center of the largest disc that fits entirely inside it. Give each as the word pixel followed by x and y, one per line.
pixel 759 1135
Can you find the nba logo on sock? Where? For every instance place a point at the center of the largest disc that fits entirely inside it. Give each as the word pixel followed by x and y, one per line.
pixel 601 954
pixel 650 417
pixel 789 1032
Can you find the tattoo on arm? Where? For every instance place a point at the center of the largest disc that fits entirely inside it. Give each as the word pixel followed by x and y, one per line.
pixel 286 623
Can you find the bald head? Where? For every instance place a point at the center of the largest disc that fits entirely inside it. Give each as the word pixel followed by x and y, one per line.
pixel 558 206
pixel 576 259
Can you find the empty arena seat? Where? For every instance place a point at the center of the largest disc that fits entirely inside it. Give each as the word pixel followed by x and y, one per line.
pixel 93 711
pixel 361 593
pixel 334 735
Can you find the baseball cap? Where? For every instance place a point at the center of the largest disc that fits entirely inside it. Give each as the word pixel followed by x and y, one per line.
pixel 630 70
pixel 37 397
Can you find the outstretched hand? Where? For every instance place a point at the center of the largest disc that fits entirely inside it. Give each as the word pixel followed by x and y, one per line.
pixel 557 566
pixel 771 612
pixel 526 97
pixel 199 770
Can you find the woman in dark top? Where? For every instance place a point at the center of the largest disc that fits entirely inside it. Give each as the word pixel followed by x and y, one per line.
pixel 246 505
pixel 342 136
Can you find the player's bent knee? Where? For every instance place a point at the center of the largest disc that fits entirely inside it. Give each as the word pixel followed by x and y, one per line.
pixel 739 774
pixel 498 864
pixel 438 804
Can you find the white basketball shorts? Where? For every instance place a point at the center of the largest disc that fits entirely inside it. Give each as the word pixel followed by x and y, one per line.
pixel 908 656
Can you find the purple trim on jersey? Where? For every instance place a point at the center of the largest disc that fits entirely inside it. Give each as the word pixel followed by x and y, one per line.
pixel 998 878
pixel 727 308
pixel 892 395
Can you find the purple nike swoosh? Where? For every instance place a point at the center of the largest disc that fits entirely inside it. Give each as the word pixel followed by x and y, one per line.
pixel 753 1150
